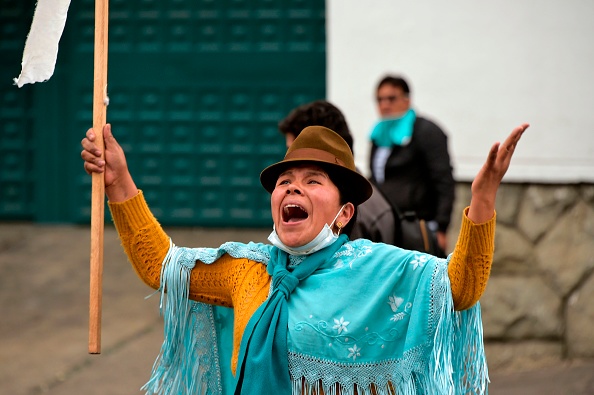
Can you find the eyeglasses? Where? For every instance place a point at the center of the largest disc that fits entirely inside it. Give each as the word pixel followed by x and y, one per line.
pixel 389 99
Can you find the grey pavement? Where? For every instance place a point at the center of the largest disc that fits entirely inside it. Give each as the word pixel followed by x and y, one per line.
pixel 44 297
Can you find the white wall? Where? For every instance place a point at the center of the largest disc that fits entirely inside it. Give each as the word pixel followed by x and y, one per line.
pixel 478 69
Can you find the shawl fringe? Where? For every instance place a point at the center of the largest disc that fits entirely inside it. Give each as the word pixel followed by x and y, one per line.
pixel 178 369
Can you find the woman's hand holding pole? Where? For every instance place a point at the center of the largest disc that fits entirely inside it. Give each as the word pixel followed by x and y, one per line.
pixel 119 185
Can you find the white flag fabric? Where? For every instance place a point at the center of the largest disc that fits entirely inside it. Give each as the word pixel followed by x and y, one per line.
pixel 41 47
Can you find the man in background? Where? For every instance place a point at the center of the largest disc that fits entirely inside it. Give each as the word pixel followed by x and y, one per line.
pixel 409 159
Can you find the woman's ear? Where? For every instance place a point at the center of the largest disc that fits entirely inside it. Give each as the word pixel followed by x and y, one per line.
pixel 345 215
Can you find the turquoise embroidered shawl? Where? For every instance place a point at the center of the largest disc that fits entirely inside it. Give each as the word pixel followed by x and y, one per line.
pixel 375 316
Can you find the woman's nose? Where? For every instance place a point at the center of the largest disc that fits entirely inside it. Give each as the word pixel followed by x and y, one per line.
pixel 293 190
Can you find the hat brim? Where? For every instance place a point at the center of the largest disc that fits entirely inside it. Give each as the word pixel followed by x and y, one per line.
pixel 351 184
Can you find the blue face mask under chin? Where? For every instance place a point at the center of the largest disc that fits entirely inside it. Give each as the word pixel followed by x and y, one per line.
pixel 325 238
pixel 394 131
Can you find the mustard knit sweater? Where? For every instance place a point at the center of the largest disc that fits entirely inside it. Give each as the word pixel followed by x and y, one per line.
pixel 244 284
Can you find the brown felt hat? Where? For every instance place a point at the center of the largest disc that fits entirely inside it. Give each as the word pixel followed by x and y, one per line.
pixel 325 148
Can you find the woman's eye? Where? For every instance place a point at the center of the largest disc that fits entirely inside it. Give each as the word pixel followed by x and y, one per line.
pixel 283 182
pixel 313 182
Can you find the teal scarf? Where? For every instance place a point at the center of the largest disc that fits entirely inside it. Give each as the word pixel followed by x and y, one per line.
pixel 394 131
pixel 263 353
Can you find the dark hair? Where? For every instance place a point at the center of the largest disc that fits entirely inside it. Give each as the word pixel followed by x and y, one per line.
pixel 319 112
pixel 323 113
pixel 395 81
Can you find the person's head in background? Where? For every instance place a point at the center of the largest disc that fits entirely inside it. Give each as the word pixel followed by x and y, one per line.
pixel 392 96
pixel 319 112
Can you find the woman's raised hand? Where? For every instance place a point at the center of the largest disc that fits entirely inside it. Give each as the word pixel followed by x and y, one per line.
pixel 119 184
pixel 487 181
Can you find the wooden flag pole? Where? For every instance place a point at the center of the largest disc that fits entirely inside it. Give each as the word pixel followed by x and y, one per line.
pixel 100 102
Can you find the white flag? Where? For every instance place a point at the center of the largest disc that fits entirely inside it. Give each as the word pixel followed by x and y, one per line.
pixel 41 47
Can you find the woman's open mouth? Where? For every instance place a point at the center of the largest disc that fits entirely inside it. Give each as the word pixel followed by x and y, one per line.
pixel 294 213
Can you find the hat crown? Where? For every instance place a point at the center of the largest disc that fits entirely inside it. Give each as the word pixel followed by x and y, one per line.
pixel 321 143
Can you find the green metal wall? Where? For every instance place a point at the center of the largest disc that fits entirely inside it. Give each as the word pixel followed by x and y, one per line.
pixel 196 90
pixel 16 119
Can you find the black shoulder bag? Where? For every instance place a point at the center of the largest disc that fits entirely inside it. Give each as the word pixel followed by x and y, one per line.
pixel 415 233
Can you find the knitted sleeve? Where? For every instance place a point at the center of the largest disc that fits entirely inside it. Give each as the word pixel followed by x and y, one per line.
pixel 470 264
pixel 232 282
pixel 142 238
pixel 146 245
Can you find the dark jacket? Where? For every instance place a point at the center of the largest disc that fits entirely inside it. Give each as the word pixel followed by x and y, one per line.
pixel 375 220
pixel 418 176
